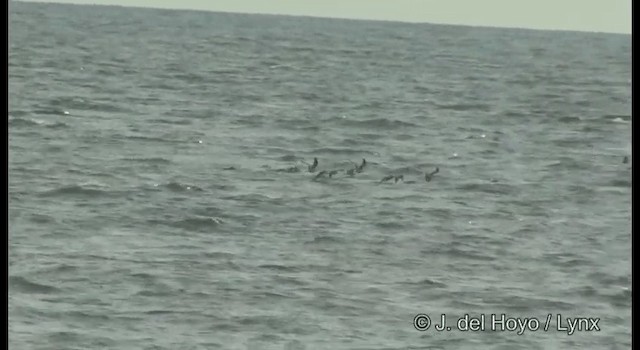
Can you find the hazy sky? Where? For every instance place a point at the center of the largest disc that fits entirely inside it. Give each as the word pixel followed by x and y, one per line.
pixel 584 15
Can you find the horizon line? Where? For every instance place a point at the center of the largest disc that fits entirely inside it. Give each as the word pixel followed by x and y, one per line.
pixel 323 17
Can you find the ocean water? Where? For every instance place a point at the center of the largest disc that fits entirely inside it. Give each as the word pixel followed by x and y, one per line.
pixel 148 208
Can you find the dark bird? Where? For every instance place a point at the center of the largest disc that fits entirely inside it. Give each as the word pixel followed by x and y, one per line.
pixel 625 160
pixel 313 166
pixel 360 167
pixel 428 177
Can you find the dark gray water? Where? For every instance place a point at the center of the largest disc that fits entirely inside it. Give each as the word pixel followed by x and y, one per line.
pixel 126 232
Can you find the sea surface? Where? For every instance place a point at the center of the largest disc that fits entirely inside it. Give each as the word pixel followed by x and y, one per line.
pixel 151 205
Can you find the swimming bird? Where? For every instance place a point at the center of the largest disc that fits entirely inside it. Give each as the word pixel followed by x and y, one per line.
pixel 625 160
pixel 360 167
pixel 428 176
pixel 313 166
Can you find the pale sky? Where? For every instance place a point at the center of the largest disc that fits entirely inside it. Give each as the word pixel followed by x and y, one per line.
pixel 612 16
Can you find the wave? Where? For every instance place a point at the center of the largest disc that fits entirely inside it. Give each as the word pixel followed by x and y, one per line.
pixel 528 304
pixel 23 122
pixel 376 123
pixel 18 113
pixel 491 188
pixel 289 158
pixel 199 224
pixel 391 225
pixel 145 138
pixel 457 252
pixel 24 285
pixel 182 121
pixel 250 198
pixel 428 283
pixel 76 190
pixel 342 150
pixel 617 118
pixel 462 107
pixel 152 160
pixel 621 183
pixel 50 111
pixel 41 218
pixel 279 268
pixel 569 119
pixel 326 240
pixel 179 187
